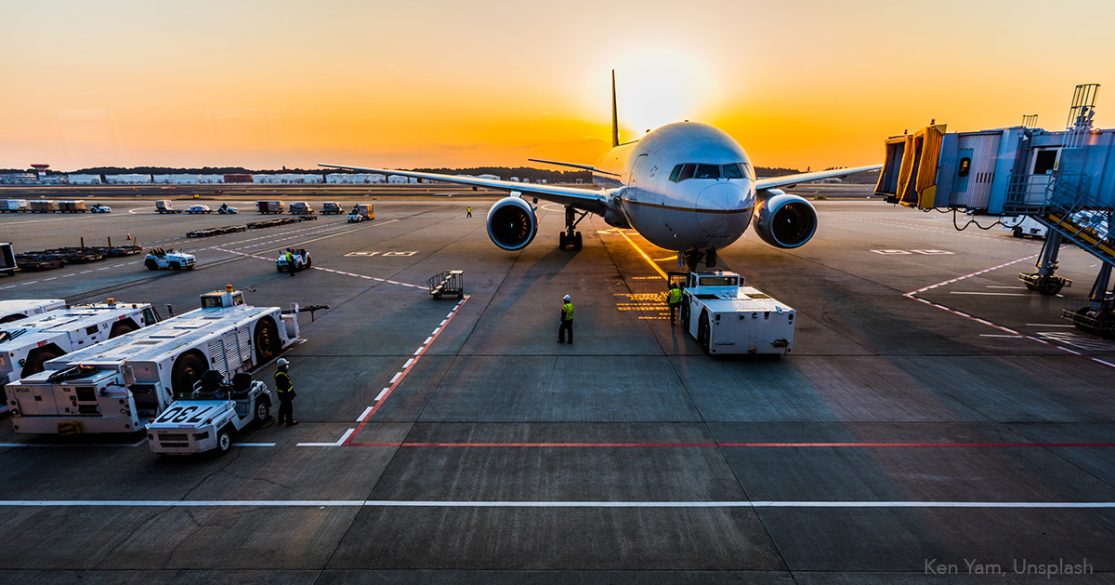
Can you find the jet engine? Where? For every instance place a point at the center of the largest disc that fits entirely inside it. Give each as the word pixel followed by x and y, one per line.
pixel 512 224
pixel 784 221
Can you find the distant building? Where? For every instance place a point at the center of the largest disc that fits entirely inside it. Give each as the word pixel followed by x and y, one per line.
pixel 177 179
pixel 355 178
pixel 18 178
pixel 288 178
pixel 489 177
pixel 128 179
pixel 209 179
pixel 84 179
pixel 515 180
pixel 396 179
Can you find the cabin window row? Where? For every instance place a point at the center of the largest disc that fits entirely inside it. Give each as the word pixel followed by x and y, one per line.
pixel 707 171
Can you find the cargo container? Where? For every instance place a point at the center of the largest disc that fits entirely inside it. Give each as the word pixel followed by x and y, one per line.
pixel 12 205
pixel 270 206
pixel 72 206
pixel 43 206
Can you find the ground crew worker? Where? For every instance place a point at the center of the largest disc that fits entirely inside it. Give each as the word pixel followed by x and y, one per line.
pixel 673 298
pixel 290 261
pixel 566 320
pixel 468 211
pixel 284 387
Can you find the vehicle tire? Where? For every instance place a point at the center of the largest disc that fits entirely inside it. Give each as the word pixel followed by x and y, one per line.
pixel 562 241
pixel 577 241
pixel 187 369
pixel 266 338
pixel 175 266
pixel 684 310
pixel 1016 232
pixel 309 262
pixel 39 356
pixel 122 327
pixel 151 264
pixel 461 296
pixel 224 441
pixel 262 411
pixel 1051 287
pixel 704 332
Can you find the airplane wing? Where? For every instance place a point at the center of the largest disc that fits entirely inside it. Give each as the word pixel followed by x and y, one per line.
pixel 788 180
pixel 593 200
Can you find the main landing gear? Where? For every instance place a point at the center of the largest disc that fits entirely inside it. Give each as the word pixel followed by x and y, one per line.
pixel 571 238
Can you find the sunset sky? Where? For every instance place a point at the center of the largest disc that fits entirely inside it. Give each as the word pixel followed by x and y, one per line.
pixel 264 84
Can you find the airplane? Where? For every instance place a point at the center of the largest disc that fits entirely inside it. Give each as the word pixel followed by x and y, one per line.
pixel 686 187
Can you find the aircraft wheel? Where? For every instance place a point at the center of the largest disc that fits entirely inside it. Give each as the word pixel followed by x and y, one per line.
pixel 562 241
pixel 577 241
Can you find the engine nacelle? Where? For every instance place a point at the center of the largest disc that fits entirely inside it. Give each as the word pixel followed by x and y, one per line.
pixel 784 221
pixel 512 224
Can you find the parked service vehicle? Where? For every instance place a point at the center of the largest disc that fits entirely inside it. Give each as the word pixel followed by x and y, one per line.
pixel 195 209
pixel 207 419
pixel 160 259
pixel 72 206
pixel 1024 225
pixel 226 209
pixel 330 208
pixel 27 344
pixel 266 207
pixel 17 309
pixel 122 384
pixel 302 261
pixel 166 206
pixel 13 205
pixel 8 264
pixel 361 212
pixel 98 208
pixel 43 206
pixel 726 317
pixel 301 208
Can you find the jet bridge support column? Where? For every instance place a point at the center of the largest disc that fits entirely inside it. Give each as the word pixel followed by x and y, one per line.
pixel 1099 316
pixel 1045 279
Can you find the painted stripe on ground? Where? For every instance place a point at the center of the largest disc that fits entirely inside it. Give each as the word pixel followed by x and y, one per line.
pixel 547 504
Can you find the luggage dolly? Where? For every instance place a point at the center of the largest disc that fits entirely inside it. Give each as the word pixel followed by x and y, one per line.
pixel 450 282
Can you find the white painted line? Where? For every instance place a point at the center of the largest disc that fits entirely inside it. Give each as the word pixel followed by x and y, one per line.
pixel 67 446
pixel 1067 350
pixel 407 365
pixel 998 335
pixel 1007 286
pixel 428 339
pixel 253 444
pixel 396 377
pixel 1104 362
pixel 1051 325
pixel 364 414
pixel 419 350
pixel 990 294
pixel 380 395
pixel 345 437
pixel 442 324
pixel 50 279
pixel 435 331
pixel 1049 505
pixel 317 444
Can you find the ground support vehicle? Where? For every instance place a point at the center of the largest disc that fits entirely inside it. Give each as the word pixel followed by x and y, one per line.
pixel 267 207
pixel 17 309
pixel 450 283
pixel 72 206
pixel 119 385
pixel 8 264
pixel 160 259
pixel 215 231
pixel 98 208
pixel 214 412
pixel 226 209
pixel 36 261
pixel 43 206
pixel 330 208
pixel 301 208
pixel 13 205
pixel 302 261
pixel 198 209
pixel 27 344
pixel 1021 226
pixel 361 212
pixel 726 317
pixel 165 206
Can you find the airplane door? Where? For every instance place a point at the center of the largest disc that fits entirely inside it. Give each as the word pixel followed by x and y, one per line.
pixel 637 168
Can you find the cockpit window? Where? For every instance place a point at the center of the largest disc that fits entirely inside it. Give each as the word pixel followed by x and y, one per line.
pixel 685 171
pixel 707 172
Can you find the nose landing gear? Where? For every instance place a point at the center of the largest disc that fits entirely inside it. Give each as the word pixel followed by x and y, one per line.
pixel 571 238
pixel 692 258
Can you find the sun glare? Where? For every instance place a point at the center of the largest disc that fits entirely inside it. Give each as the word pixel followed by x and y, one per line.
pixel 657 86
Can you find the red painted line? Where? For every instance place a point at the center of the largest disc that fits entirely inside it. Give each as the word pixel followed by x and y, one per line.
pixel 414 362
pixel 714 444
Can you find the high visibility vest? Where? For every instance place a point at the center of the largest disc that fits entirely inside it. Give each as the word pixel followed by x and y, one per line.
pixel 567 311
pixel 289 258
pixel 288 383
pixel 674 296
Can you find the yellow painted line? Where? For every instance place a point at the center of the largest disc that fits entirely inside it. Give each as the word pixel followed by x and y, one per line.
pixel 652 263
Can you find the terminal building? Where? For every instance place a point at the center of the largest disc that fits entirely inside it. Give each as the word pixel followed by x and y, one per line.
pixel 1064 179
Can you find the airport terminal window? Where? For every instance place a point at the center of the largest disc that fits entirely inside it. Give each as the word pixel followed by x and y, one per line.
pixel 1045 162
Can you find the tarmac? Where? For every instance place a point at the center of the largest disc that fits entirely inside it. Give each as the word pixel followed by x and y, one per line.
pixel 935 419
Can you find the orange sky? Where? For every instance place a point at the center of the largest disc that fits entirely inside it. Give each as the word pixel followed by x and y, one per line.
pixel 270 83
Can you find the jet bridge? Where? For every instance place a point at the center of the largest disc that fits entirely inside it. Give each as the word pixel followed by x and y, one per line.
pixel 1064 179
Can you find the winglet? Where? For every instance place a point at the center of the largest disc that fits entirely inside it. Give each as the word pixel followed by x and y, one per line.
pixel 615 117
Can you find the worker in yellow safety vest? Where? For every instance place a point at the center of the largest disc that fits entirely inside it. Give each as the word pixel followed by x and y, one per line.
pixel 673 299
pixel 284 387
pixel 566 320
pixel 290 261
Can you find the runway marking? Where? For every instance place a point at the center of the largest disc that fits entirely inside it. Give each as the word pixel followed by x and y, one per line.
pixel 989 294
pixel 401 375
pixel 1004 335
pixel 365 277
pixel 337 443
pixel 364 414
pixel 253 444
pixel 970 275
pixel 646 257
pixel 71 445
pixel 1066 325
pixel 709 504
pixel 728 445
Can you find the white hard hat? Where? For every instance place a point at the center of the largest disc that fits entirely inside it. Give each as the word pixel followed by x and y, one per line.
pixel 282 362
pixel 567 298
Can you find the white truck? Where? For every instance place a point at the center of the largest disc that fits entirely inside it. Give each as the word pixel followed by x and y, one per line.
pixel 17 309
pixel 27 344
pixel 726 317
pixel 160 259
pixel 165 206
pixel 302 261
pixel 361 212
pixel 122 384
pixel 207 420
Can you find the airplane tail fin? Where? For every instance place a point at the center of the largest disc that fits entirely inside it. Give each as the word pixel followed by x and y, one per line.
pixel 615 117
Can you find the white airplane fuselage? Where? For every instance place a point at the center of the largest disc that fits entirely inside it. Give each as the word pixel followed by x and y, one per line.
pixel 670 209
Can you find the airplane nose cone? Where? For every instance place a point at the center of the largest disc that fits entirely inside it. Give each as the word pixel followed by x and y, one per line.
pixel 722 208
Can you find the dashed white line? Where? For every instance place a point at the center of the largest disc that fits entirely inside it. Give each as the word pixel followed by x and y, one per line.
pixel 395 378
pixel 364 414
pixel 1031 505
pixel 379 397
